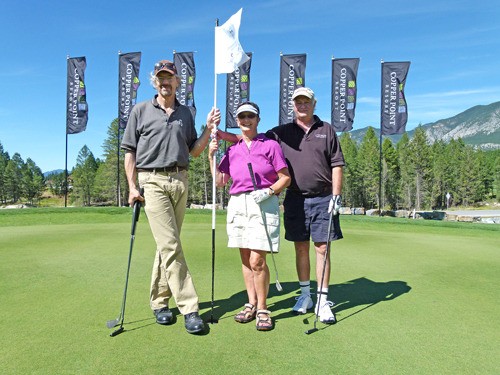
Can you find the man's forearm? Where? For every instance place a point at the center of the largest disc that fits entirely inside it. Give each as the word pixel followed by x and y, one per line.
pixel 228 137
pixel 337 180
pixel 201 143
pixel 131 169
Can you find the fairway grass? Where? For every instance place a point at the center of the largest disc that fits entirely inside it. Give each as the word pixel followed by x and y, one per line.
pixel 412 297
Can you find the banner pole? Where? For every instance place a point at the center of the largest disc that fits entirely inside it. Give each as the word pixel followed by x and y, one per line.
pixel 380 142
pixel 118 192
pixel 66 157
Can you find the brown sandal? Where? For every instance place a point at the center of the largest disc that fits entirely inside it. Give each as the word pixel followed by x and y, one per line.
pixel 247 314
pixel 264 322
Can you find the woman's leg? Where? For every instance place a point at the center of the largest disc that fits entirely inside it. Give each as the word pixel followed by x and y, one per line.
pixel 260 272
pixel 248 276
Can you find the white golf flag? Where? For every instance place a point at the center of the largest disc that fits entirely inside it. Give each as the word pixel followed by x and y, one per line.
pixel 228 51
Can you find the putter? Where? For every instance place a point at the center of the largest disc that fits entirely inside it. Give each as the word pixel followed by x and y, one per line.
pixel 113 323
pixel 330 220
pixel 278 285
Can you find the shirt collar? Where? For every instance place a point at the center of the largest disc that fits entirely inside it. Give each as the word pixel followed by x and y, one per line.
pixel 154 101
pixel 258 137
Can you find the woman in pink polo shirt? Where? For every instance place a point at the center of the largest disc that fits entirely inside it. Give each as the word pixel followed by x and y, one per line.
pixel 246 228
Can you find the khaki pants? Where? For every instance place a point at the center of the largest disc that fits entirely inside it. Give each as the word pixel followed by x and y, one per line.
pixel 166 197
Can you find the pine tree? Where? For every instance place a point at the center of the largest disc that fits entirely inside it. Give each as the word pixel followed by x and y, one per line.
pixel 407 172
pixel 4 159
pixel 420 159
pixel 350 180
pixel 390 174
pixel 13 178
pixel 33 182
pixel 84 175
pixel 106 187
pixel 368 162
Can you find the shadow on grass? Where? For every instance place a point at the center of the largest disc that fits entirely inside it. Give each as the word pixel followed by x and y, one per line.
pixel 143 323
pixel 350 294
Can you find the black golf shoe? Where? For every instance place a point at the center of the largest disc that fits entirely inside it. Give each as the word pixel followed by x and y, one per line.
pixel 193 323
pixel 164 316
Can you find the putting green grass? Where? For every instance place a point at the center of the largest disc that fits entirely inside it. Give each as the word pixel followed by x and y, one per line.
pixel 412 297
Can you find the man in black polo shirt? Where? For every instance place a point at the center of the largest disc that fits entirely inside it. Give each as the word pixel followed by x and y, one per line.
pixel 315 161
pixel 159 137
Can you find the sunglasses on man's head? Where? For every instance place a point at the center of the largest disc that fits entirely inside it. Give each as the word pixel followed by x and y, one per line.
pixel 169 66
pixel 243 116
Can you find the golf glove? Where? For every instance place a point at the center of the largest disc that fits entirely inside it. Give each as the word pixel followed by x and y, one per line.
pixel 260 195
pixel 335 204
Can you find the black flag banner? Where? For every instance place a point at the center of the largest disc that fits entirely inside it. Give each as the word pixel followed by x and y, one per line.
pixel 292 75
pixel 76 109
pixel 344 90
pixel 394 111
pixel 128 84
pixel 237 90
pixel 184 63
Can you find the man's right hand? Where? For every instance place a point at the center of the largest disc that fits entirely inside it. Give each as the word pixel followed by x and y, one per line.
pixel 213 119
pixel 134 195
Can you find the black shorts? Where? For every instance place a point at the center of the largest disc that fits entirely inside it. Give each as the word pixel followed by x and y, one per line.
pixel 307 218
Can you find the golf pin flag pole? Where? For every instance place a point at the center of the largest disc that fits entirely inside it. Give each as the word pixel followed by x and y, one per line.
pixel 229 55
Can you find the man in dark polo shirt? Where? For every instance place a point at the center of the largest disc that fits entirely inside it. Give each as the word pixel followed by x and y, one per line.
pixel 315 162
pixel 159 137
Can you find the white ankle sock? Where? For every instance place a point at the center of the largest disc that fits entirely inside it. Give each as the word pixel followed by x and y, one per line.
pixel 322 295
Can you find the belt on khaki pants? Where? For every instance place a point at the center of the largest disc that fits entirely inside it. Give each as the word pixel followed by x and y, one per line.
pixel 163 169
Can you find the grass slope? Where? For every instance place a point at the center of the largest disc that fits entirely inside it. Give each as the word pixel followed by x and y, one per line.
pixel 412 297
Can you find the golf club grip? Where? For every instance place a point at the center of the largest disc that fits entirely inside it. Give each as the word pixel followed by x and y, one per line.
pixel 250 169
pixel 137 211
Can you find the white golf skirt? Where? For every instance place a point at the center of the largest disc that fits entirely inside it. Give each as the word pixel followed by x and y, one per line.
pixel 253 226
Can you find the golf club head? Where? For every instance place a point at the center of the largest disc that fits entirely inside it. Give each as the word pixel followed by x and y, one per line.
pixel 312 330
pixel 112 323
pixel 278 286
pixel 212 320
pixel 117 332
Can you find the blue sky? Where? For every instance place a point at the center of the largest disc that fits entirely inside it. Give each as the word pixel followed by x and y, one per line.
pixel 454 49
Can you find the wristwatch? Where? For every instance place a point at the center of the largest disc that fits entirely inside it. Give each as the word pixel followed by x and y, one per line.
pixel 271 191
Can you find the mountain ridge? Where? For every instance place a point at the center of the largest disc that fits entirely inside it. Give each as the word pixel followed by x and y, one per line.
pixel 478 126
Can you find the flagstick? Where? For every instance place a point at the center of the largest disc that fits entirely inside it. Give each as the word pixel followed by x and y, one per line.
pixel 214 195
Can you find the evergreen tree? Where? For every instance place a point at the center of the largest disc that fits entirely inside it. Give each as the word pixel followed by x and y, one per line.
pixel 496 172
pixel 456 156
pixel 13 178
pixel 440 170
pixel 4 159
pixel 390 174
pixel 369 167
pixel 407 173
pixel 350 180
pixel 106 187
pixel 84 175
pixel 487 172
pixel 33 182
pixel 199 178
pixel 421 165
pixel 470 182
pixel 55 183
